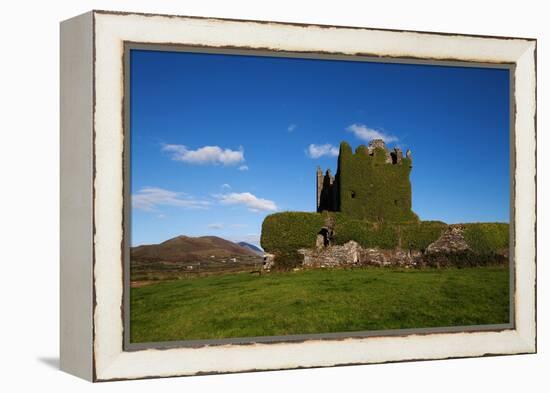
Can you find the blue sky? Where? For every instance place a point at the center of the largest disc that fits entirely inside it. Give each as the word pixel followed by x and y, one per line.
pixel 220 141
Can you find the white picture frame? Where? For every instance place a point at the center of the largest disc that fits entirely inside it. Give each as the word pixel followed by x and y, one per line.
pixel 92 194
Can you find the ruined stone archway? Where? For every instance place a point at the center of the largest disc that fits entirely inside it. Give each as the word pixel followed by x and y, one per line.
pixel 324 237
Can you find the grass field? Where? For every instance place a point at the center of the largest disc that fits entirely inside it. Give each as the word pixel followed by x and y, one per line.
pixel 318 301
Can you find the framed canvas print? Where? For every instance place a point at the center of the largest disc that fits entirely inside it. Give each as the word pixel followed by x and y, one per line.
pixel 245 195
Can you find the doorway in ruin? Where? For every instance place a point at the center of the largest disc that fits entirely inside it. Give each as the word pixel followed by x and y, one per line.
pixel 323 237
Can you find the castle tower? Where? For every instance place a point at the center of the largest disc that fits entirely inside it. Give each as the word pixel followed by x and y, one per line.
pixel 319 186
pixel 371 184
pixel 327 189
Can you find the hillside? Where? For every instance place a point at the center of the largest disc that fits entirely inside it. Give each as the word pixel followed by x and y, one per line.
pixel 252 247
pixel 188 249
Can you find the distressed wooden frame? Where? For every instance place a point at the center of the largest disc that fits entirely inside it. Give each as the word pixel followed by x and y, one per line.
pixel 93 189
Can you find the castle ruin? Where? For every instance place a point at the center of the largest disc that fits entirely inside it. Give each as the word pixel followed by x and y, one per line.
pixel 371 184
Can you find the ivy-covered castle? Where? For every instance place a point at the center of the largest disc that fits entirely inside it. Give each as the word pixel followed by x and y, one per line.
pixel 371 184
pixel 364 217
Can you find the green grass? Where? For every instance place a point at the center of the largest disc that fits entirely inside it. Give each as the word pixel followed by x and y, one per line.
pixel 318 301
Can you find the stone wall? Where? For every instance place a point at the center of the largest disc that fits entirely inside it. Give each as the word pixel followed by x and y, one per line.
pixel 450 249
pixel 352 254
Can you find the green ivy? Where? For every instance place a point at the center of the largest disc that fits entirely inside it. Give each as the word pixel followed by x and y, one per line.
pixel 289 231
pixel 367 234
pixel 371 189
pixel 387 235
pixel 419 235
pixel 487 237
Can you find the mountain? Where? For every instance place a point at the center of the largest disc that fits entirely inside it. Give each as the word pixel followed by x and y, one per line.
pixel 252 247
pixel 189 249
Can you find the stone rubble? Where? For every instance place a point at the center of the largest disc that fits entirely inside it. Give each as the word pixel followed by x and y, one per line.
pixel 352 254
pixel 451 241
pixel 269 261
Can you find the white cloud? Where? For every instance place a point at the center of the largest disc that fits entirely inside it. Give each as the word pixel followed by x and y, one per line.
pixel 205 155
pixel 247 199
pixel 243 168
pixel 367 134
pixel 226 186
pixel 292 127
pixel 149 198
pixel 316 151
pixel 215 226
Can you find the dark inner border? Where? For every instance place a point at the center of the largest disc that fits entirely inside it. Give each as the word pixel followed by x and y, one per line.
pixel 229 50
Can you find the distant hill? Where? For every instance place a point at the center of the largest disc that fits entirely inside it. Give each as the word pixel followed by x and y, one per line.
pixel 189 249
pixel 252 247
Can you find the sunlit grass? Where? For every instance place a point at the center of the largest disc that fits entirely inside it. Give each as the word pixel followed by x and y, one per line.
pixel 318 301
